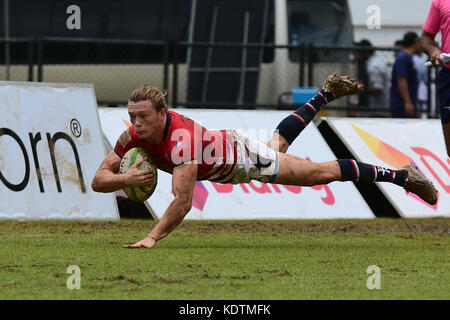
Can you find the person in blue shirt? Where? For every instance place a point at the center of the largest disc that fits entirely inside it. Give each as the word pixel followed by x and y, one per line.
pixel 404 80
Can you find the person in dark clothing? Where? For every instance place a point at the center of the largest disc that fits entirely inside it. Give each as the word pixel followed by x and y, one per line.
pixel 361 61
pixel 404 80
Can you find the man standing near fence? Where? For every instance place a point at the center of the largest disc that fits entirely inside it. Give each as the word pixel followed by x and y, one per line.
pixel 375 82
pixel 404 81
pixel 439 20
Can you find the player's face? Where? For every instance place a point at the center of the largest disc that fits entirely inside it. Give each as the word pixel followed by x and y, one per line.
pixel 147 121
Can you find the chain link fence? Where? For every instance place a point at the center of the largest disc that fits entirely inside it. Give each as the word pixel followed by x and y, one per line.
pixel 114 67
pixel 203 74
pixel 270 81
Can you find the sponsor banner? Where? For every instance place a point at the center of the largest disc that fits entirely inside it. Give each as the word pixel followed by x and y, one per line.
pixel 51 146
pixel 254 200
pixel 394 143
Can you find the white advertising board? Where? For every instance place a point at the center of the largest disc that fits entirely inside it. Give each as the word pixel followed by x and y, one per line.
pixel 254 200
pixel 393 143
pixel 50 148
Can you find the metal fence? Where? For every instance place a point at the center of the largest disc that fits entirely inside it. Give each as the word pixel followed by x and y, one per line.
pixel 198 74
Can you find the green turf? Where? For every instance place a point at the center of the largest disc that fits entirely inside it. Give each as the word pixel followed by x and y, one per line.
pixel 227 260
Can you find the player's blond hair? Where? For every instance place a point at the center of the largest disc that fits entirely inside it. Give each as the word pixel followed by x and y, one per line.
pixel 156 96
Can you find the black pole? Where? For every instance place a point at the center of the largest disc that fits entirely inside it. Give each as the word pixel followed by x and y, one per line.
pixel 40 56
pixel 175 75
pixel 310 64
pixel 31 45
pixel 301 81
pixel 166 66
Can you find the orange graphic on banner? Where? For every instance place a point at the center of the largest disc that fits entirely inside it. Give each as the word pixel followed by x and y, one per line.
pixel 389 155
pixel 383 151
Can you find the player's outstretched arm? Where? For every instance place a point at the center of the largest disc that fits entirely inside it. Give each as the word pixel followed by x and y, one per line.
pixel 183 184
pixel 108 179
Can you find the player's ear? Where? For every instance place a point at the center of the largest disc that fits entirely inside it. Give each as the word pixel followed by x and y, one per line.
pixel 162 114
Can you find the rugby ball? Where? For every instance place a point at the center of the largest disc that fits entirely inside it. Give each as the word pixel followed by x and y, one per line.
pixel 139 194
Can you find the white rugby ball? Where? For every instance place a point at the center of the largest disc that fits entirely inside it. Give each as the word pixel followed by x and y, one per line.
pixel 139 194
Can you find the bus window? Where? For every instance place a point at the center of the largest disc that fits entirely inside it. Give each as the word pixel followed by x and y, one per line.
pixel 166 20
pixel 103 19
pixel 319 22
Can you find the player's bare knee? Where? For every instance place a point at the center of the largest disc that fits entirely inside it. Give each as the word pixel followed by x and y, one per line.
pixel 275 145
pixel 283 146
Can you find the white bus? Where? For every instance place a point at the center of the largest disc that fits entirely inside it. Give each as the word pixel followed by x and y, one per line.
pixel 205 76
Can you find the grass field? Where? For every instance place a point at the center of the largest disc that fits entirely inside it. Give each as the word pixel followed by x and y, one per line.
pixel 227 260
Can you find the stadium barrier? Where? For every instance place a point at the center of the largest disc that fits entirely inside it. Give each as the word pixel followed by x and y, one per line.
pixel 51 146
pixel 394 143
pixel 50 179
pixel 254 200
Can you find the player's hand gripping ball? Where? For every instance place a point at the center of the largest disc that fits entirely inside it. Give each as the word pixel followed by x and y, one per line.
pixel 133 155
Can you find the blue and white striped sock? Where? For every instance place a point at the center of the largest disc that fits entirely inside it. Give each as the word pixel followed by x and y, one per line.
pixel 291 126
pixel 352 170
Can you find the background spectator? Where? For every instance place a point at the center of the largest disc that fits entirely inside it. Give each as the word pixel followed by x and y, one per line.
pixel 373 72
pixel 399 46
pixel 405 83
pixel 422 74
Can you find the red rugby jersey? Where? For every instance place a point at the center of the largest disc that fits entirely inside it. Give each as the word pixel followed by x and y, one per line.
pixel 185 140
